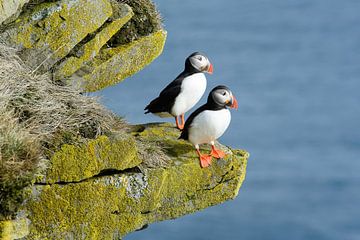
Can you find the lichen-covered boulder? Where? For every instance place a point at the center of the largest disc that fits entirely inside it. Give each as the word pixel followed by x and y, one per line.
pixel 112 65
pixel 74 163
pixel 48 32
pixel 105 186
pixel 113 204
pixel 79 41
pixel 10 9
pixel 81 56
pixel 14 229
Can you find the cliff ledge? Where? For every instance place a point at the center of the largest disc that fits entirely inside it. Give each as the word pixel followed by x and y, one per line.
pixel 69 168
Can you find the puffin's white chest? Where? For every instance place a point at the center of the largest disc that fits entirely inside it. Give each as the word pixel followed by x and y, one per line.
pixel 192 89
pixel 209 126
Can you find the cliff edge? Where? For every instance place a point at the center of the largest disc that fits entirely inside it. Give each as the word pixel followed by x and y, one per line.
pixel 69 168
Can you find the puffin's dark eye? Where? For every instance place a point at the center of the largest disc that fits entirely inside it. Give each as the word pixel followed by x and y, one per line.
pixel 200 58
pixel 224 93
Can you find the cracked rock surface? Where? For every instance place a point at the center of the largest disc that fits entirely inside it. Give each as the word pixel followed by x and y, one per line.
pixel 69 38
pixel 106 187
pixel 117 201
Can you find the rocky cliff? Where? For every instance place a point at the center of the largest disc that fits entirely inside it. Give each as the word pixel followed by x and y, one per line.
pixel 104 197
pixel 96 179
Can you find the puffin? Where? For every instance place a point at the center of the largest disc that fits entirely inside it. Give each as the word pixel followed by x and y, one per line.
pixel 184 92
pixel 209 122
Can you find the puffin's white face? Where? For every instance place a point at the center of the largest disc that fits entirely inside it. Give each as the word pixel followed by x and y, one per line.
pixel 224 97
pixel 201 63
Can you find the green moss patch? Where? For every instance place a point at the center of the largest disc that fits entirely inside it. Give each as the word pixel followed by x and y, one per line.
pixel 37 118
pixel 47 32
pixel 74 163
pixel 87 49
pixel 113 65
pixel 111 206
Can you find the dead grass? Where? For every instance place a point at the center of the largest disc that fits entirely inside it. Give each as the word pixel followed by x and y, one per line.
pixel 20 161
pixel 152 154
pixel 37 117
pixel 46 108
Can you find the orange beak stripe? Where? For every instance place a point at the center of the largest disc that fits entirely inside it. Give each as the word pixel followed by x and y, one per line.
pixel 234 103
pixel 211 69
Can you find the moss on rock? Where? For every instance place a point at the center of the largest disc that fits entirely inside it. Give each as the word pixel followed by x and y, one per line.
pixel 47 33
pixel 88 50
pixel 97 186
pixel 74 163
pixel 14 229
pixel 113 65
pixel 36 118
pixel 111 206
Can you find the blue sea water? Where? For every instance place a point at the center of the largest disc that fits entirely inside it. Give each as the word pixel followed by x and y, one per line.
pixel 294 67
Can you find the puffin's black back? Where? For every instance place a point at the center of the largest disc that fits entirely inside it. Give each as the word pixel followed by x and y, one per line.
pixel 166 99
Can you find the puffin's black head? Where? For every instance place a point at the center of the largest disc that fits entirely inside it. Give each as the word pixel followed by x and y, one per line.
pixel 198 62
pixel 221 96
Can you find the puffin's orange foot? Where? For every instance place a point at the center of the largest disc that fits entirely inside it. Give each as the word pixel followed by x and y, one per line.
pixel 217 153
pixel 205 160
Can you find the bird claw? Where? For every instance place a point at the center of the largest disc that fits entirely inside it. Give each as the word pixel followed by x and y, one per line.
pixel 205 160
pixel 217 153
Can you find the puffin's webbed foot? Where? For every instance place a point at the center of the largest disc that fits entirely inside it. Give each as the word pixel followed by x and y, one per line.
pixel 205 160
pixel 217 153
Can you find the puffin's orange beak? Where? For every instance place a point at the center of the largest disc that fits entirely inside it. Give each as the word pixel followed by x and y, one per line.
pixel 210 69
pixel 234 103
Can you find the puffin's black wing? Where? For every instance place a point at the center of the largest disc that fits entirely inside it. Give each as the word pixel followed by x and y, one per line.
pixel 166 99
pixel 185 131
pixel 164 102
pixel 175 83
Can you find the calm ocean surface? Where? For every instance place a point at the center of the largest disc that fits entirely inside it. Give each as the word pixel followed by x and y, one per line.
pixel 294 67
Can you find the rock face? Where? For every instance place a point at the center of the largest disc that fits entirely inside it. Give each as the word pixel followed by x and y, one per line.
pixel 105 188
pixel 10 8
pixel 89 50
pixel 76 163
pixel 69 38
pixel 49 29
pixel 115 64
pixel 112 201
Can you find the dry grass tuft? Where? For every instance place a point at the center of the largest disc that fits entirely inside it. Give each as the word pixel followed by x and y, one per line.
pixel 152 154
pixel 37 117
pixel 19 159
pixel 46 108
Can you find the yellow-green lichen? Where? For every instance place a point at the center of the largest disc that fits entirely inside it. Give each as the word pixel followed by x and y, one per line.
pixel 48 32
pixel 109 207
pixel 116 205
pixel 223 179
pixel 14 229
pixel 73 163
pixel 112 65
pixel 122 14
pixel 94 209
